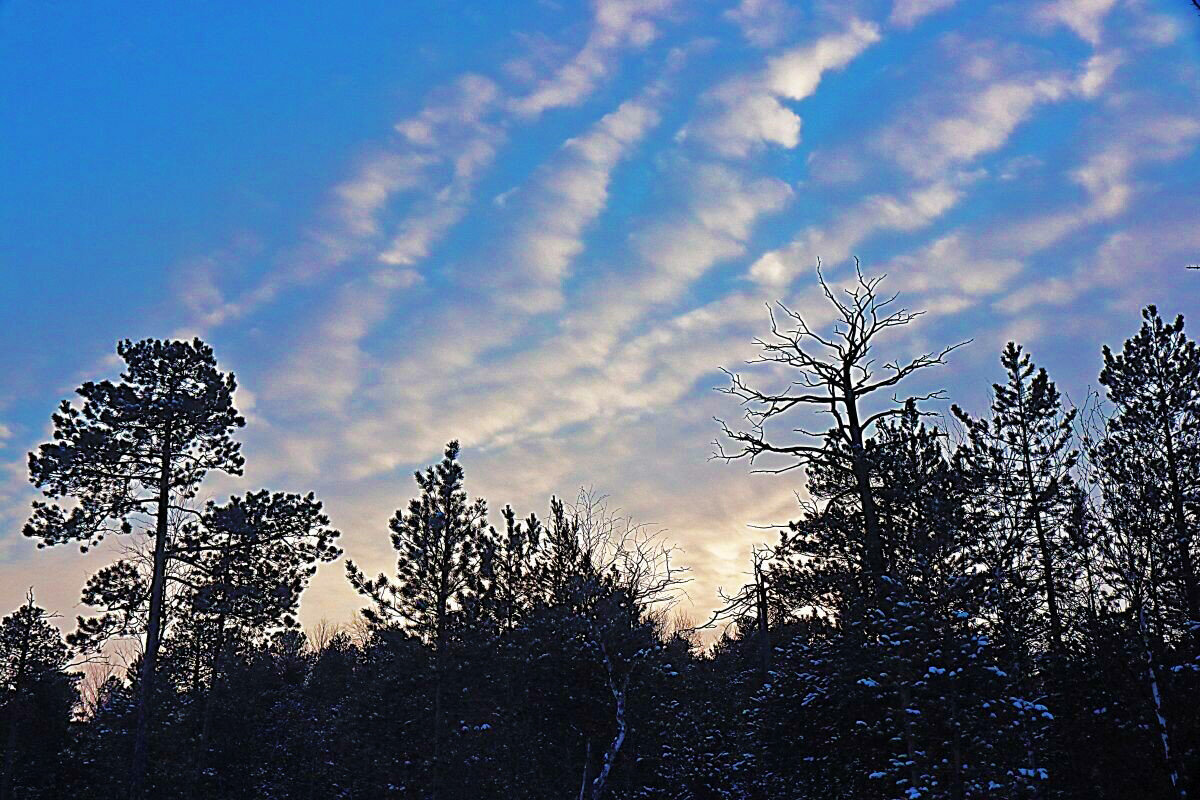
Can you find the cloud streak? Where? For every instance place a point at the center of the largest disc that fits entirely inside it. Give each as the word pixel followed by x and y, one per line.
pixel 747 113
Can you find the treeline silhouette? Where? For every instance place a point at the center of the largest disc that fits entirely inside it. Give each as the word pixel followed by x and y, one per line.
pixel 1001 606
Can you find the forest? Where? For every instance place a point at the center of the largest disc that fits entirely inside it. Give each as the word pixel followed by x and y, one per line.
pixel 995 605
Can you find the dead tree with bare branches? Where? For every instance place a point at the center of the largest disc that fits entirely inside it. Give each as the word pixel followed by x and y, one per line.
pixel 834 372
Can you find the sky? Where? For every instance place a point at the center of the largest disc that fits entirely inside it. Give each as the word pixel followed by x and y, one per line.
pixel 543 227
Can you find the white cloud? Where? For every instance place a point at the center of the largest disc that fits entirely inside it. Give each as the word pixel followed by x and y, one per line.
pixel 746 112
pixel 933 150
pixel 722 207
pixel 992 257
pixel 948 277
pixel 452 134
pixel 359 199
pixel 591 392
pixel 1085 18
pixel 1098 72
pixel 836 242
pixel 906 13
pixel 982 125
pixel 456 132
pixel 451 128
pixel 327 371
pixel 746 119
pixel 577 376
pixel 1126 260
pixel 1157 29
pixel 471 97
pixel 797 73
pixel 764 23
pixel 567 195
pixel 15 495
pixel 323 372
pixel 1105 177
pixel 617 25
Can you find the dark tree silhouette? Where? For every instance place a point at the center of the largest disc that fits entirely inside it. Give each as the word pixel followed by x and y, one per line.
pixel 248 561
pixel 135 451
pixel 1021 460
pixel 32 652
pixel 895 642
pixel 439 543
pixel 1154 383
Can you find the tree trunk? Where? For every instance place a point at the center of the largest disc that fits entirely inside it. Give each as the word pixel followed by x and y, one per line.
pixel 137 777
pixel 1039 526
pixel 587 763
pixel 1182 539
pixel 439 664
pixel 764 630
pixel 614 747
pixel 209 707
pixel 1152 681
pixel 872 539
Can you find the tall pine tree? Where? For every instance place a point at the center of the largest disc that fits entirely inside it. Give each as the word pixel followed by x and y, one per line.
pixel 133 452
pixel 1154 386
pixel 439 543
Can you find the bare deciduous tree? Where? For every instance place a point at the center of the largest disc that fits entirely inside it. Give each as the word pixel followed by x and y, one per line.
pixel 633 583
pixel 832 373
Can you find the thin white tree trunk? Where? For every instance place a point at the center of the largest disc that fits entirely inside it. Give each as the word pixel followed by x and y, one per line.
pixel 618 688
pixel 1152 677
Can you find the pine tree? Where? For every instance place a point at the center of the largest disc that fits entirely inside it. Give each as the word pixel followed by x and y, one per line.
pixel 1137 550
pixel 32 659
pixel 906 699
pixel 1154 385
pixel 133 452
pixel 439 544
pixel 248 561
pixel 1021 460
pixel 505 586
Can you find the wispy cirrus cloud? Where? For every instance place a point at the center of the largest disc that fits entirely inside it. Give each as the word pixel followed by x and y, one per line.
pixel 907 13
pixel 568 194
pixel 459 131
pixel 939 153
pixel 982 123
pixel 837 242
pixel 1107 178
pixel 617 24
pixel 764 23
pixel 1085 18
pixel 434 160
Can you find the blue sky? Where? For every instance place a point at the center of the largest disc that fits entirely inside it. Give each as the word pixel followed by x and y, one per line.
pixel 541 227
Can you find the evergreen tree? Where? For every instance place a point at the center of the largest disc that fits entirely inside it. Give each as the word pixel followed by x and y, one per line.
pixel 1154 385
pixel 248 561
pixel 439 544
pixel 1143 613
pixel 134 451
pixel 36 696
pixel 895 643
pixel 1020 462
pixel 907 700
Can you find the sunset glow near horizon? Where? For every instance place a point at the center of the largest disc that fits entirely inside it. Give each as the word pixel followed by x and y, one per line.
pixel 542 231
